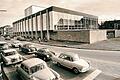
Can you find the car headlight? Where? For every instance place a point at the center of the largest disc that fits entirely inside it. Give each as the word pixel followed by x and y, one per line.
pixel 48 55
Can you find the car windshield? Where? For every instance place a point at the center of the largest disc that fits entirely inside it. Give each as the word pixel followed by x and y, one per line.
pixel 37 68
pixel 10 53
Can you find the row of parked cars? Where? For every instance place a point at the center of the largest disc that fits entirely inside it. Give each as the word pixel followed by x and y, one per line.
pixel 36 68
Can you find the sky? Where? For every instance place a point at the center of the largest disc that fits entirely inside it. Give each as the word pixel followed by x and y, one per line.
pixel 104 9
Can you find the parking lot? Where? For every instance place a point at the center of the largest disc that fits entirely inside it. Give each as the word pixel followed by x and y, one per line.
pixel 66 74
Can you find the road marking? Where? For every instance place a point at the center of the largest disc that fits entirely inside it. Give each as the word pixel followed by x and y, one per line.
pixel 93 75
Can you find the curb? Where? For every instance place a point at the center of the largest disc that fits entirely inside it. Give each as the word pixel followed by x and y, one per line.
pixel 93 75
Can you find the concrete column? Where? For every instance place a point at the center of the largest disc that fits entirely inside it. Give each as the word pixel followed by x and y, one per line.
pixel 17 29
pixel 32 26
pixel 47 25
pixel 28 27
pixel 85 24
pixel 22 27
pixel 41 26
pixel 25 28
pixel 36 23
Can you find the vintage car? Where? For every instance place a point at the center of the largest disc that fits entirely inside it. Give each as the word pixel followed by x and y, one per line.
pixel 21 38
pixel 44 54
pixel 7 38
pixel 3 45
pixel 16 44
pixel 1 78
pixel 36 69
pixel 11 56
pixel 72 61
pixel 28 48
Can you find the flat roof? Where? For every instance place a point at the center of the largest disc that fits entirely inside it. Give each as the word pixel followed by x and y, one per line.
pixel 58 9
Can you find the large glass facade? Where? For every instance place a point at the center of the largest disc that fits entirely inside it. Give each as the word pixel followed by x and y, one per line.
pixel 64 21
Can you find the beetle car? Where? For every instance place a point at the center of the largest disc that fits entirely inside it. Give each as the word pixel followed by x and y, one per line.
pixel 28 48
pixel 36 69
pixel 16 44
pixel 11 56
pixel 72 61
pixel 44 54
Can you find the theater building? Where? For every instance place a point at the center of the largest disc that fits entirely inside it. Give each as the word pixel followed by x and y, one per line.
pixel 59 24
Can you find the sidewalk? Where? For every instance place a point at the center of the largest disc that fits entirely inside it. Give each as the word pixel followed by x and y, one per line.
pixel 109 45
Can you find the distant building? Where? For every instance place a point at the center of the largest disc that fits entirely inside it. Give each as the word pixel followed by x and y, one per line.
pixel 115 24
pixel 6 30
pixel 33 9
pixel 60 24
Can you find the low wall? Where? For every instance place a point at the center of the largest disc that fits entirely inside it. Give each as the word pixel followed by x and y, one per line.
pixel 97 35
pixel 87 36
pixel 117 33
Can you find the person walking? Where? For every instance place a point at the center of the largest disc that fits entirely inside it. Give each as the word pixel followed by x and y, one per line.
pixel 39 40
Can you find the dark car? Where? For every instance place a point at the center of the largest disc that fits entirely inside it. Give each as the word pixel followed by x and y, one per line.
pixel 7 38
pixel 44 54
pixel 28 48
pixel 3 45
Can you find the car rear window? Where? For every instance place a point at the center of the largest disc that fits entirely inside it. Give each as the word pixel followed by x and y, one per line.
pixel 37 68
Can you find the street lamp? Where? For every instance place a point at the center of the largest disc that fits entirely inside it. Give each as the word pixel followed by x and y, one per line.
pixel 3 10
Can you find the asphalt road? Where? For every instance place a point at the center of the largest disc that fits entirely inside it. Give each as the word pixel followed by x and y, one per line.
pixel 107 61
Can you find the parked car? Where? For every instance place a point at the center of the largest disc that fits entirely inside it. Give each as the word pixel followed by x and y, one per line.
pixel 1 78
pixel 72 61
pixel 44 54
pixel 16 44
pixel 28 48
pixel 36 69
pixel 3 45
pixel 21 38
pixel 7 38
pixel 11 56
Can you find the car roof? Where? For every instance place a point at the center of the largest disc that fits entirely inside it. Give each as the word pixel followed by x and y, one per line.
pixel 8 50
pixel 69 54
pixel 3 42
pixel 32 62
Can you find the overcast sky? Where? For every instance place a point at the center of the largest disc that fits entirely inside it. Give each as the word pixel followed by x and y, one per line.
pixel 104 9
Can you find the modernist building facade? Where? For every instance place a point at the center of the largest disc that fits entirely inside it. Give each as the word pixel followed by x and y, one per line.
pixel 46 23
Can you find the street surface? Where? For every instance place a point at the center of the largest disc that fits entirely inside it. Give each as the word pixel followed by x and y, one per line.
pixel 106 61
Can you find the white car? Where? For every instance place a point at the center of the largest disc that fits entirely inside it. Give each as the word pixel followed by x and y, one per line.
pixel 72 61
pixel 36 69
pixel 11 56
pixel 16 44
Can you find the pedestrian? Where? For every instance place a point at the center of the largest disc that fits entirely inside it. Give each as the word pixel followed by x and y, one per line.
pixel 39 40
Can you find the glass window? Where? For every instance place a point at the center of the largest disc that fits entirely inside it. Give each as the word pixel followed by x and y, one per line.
pixel 37 68
pixel 10 53
pixel 25 68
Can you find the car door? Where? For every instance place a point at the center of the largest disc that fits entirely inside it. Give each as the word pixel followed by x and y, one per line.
pixel 67 62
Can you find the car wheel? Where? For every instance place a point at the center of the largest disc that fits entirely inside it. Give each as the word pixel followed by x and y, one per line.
pixel 58 64
pixel 75 70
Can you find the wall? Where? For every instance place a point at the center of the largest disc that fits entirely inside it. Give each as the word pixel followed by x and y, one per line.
pixel 79 36
pixel 117 33
pixel 87 36
pixel 97 35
